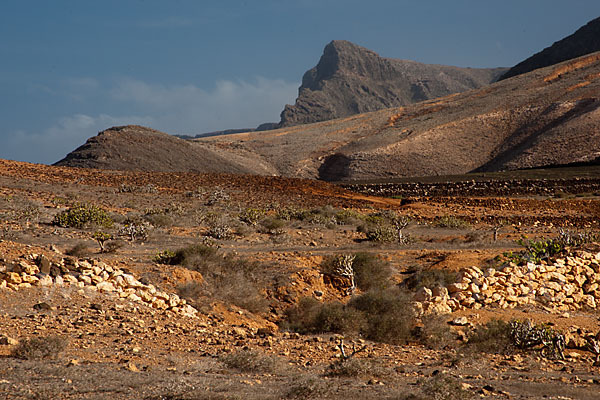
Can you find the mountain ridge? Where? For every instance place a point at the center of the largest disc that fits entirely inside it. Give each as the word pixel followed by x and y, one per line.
pixel 550 116
pixel 350 79
pixel 584 41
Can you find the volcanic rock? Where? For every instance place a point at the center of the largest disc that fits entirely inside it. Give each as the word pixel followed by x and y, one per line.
pixel 350 79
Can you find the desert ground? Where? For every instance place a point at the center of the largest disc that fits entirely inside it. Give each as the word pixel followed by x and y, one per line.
pixel 198 286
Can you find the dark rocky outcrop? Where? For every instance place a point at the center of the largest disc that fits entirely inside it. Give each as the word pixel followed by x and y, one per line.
pixel 584 41
pixel 351 79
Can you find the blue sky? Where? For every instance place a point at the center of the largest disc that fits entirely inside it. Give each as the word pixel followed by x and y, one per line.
pixel 69 69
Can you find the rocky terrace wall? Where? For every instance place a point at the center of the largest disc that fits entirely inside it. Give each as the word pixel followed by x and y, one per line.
pixel 566 284
pixel 89 275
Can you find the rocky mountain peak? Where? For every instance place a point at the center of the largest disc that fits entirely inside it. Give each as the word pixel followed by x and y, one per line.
pixel 350 79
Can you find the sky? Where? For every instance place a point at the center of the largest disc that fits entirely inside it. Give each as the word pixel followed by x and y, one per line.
pixel 71 68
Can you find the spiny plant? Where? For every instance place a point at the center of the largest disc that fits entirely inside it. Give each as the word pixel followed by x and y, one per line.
pixel 81 216
pixel 251 216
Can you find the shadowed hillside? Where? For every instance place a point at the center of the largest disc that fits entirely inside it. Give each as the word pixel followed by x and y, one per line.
pixel 585 41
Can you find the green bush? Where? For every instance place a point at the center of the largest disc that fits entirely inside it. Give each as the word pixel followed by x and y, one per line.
pixel 164 257
pixel 449 221
pixel 272 225
pixel 251 216
pixel 81 216
pixel 40 348
pixel 348 217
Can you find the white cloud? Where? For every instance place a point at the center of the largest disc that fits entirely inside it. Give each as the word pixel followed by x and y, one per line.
pixel 190 109
pixel 57 141
pixel 174 109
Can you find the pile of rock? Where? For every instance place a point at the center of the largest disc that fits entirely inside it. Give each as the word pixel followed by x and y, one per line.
pixel 565 284
pixel 90 275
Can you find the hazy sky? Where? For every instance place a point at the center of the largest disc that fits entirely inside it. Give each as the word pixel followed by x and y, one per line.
pixel 69 69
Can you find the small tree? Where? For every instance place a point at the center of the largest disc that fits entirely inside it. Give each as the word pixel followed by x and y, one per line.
pixel 101 238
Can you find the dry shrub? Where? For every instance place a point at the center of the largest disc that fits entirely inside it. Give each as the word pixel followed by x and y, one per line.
pixel 80 250
pixel 40 348
pixel 306 387
pixel 312 316
pixel 273 225
pixel 493 337
pixel 252 361
pixel 428 278
pixel 379 315
pixel 370 271
pixel 227 278
pixel 444 387
pixel 450 221
pixel 436 333
pixel 351 368
pixel 389 314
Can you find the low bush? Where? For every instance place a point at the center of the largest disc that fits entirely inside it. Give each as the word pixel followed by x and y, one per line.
pixel 40 348
pixel 306 387
pixel 273 225
pixel 159 220
pixel 370 271
pixel 227 278
pixel 351 368
pixel 252 361
pixel 429 278
pixel 444 387
pixel 80 250
pixel 380 232
pixel 251 216
pixel 81 216
pixel 493 337
pixel 348 217
pixel 436 333
pixel 379 315
pixel 388 313
pixel 450 221
pixel 164 257
pixel 312 316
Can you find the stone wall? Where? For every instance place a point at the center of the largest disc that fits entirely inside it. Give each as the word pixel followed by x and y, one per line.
pixel 93 275
pixel 565 284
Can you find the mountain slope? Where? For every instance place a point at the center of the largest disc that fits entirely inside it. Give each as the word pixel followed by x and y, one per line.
pixel 547 117
pixel 138 148
pixel 350 79
pixel 584 41
pixel 550 116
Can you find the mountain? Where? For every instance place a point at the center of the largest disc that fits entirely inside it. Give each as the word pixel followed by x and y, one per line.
pixel 351 79
pixel 584 41
pixel 139 148
pixel 550 116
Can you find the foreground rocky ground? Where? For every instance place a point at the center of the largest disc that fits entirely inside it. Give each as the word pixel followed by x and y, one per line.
pixel 134 322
